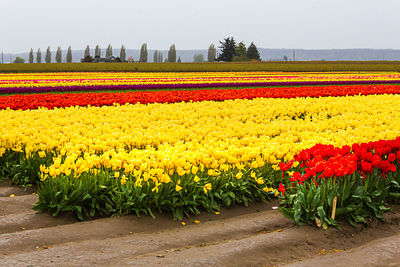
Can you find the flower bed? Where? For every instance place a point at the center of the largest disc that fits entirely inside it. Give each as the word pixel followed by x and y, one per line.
pixel 352 183
pixel 180 157
pixel 66 82
pixel 106 99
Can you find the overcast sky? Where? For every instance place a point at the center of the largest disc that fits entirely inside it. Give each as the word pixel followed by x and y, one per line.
pixel 195 24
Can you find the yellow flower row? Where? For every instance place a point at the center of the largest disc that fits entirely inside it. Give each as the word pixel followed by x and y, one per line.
pixel 156 141
pixel 127 78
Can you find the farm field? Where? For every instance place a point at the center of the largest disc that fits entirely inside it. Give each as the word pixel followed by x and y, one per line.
pixel 271 66
pixel 324 147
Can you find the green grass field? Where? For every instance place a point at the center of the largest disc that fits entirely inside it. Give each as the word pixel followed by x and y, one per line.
pixel 306 66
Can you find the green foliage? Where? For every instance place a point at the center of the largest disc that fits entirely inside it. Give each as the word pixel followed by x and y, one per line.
pixel 143 53
pixel 155 56
pixel 228 49
pixel 103 194
pixel 122 54
pixel 212 53
pixel 87 52
pixel 358 198
pixel 31 56
pixel 69 55
pixel 172 54
pixel 109 51
pixel 48 55
pixel 20 169
pixel 300 66
pixel 58 55
pixel 252 52
pixel 198 58
pixel 87 59
pixel 19 60
pixel 86 197
pixel 241 52
pixel 97 51
pixel 39 56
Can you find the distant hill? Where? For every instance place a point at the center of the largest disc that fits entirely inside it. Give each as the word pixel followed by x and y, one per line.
pixel 266 54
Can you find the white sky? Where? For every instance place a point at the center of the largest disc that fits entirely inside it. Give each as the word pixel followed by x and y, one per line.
pixel 192 24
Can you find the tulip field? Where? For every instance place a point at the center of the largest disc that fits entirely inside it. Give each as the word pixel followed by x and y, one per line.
pixel 99 144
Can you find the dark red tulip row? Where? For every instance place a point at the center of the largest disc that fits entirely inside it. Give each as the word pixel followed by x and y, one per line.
pixel 50 101
pixel 88 88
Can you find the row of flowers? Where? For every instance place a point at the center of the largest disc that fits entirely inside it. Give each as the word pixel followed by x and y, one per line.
pixel 182 157
pixel 352 182
pixel 161 139
pixel 112 78
pixel 51 101
pixel 178 85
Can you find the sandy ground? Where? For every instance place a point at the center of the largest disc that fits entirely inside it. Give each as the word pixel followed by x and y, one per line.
pixel 240 236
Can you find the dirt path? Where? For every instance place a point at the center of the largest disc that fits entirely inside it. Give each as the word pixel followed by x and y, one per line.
pixel 254 236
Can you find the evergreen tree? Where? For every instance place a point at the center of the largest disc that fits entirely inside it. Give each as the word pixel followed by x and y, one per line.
pixel 212 53
pixel 179 60
pixel 155 56
pixel 39 56
pixel 252 52
pixel 109 51
pixel 69 55
pixel 31 56
pixel 48 55
pixel 143 53
pixel 87 52
pixel 97 51
pixel 122 54
pixel 172 54
pixel 241 52
pixel 58 55
pixel 228 49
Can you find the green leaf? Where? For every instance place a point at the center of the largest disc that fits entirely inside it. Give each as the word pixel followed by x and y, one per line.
pixel 321 213
pixel 287 212
pixel 395 195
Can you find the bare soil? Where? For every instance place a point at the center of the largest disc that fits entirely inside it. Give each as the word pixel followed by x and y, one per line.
pixel 254 236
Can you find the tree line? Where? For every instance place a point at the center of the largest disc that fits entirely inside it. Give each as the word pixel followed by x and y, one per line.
pixel 229 51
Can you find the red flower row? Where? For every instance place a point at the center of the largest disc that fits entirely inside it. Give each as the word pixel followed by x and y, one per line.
pixel 325 161
pixel 100 99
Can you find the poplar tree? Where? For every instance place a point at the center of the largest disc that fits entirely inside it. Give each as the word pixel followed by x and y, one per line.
pixel 172 54
pixel 97 51
pixel 31 56
pixel 58 55
pixel 48 55
pixel 212 53
pixel 69 55
pixel 39 56
pixel 122 54
pixel 155 56
pixel 109 51
pixel 179 60
pixel 160 57
pixel 143 53
pixel 87 52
